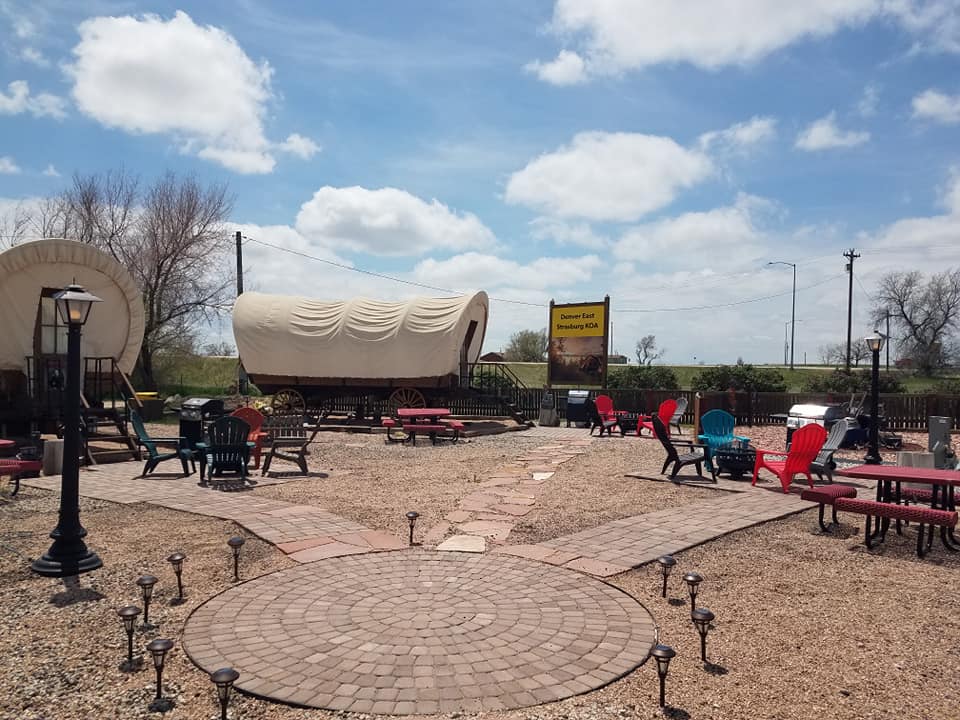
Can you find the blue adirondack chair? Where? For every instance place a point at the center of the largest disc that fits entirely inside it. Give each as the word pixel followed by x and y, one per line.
pixel 716 430
pixel 181 447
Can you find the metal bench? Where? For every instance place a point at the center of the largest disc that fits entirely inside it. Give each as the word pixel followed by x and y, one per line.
pixel 828 495
pixel 943 519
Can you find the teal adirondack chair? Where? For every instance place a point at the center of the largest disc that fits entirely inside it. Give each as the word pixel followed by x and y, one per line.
pixel 716 430
pixel 150 444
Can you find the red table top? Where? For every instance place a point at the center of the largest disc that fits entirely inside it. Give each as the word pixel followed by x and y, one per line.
pixel 6 443
pixel 907 474
pixel 422 412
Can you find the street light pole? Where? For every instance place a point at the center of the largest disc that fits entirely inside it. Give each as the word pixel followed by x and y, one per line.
pixel 68 555
pixel 793 309
pixel 875 343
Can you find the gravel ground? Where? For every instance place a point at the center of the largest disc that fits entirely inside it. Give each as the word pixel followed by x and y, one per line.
pixel 808 625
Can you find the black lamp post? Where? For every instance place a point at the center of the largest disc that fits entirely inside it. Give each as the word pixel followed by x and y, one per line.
pixel 176 560
pixel 146 583
pixel 412 519
pixel 235 543
pixel 875 344
pixel 68 555
pixel 663 654
pixel 693 581
pixel 224 679
pixel 128 615
pixel 702 619
pixel 158 649
pixel 666 563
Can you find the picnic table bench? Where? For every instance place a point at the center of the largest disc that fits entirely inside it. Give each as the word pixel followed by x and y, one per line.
pixel 423 420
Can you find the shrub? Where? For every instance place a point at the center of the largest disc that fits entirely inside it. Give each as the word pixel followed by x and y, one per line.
pixel 856 381
pixel 648 377
pixel 947 386
pixel 739 377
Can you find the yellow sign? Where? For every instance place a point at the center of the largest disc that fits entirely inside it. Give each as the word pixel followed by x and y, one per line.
pixel 578 321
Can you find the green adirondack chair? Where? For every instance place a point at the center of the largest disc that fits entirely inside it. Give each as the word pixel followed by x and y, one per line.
pixel 152 446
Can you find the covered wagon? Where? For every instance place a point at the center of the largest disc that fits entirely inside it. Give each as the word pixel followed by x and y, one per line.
pixel 34 347
pixel 308 353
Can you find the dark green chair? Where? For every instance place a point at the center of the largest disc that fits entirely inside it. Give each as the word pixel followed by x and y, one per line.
pixel 151 445
pixel 227 448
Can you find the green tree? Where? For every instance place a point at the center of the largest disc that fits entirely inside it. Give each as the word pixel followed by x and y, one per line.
pixel 647 377
pixel 527 346
pixel 840 381
pixel 739 377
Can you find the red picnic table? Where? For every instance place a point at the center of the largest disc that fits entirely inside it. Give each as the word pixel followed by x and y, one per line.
pixel 424 420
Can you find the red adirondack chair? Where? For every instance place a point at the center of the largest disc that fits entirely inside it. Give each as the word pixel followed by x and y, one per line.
pixel 605 407
pixel 665 413
pixel 253 418
pixel 804 446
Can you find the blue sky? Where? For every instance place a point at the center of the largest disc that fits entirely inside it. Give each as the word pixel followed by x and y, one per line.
pixel 659 152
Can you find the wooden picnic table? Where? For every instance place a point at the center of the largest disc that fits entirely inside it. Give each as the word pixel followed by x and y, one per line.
pixel 432 421
pixel 422 414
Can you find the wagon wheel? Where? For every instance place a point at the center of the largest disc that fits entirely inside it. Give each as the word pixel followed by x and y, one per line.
pixel 405 397
pixel 288 402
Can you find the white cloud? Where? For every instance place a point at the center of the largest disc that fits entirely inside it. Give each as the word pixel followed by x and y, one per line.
pixel 567 68
pixel 824 134
pixel 619 35
pixel 867 105
pixel 192 82
pixel 51 171
pixel 479 270
pixel 741 136
pixel 302 147
pixel 608 176
pixel 8 166
pixel 387 221
pixel 729 235
pixel 564 233
pixel 18 100
pixel 34 56
pixel 937 107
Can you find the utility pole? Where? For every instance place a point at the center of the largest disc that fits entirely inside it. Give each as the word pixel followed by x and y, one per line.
pixel 851 255
pixel 242 381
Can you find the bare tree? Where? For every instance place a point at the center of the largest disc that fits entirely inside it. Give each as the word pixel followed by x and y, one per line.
pixel 833 354
pixel 14 226
pixel 925 312
pixel 170 237
pixel 647 350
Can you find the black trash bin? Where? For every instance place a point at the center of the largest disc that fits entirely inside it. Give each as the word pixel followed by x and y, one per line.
pixel 577 408
pixel 194 414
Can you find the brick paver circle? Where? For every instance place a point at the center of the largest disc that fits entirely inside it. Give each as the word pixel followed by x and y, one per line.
pixel 419 632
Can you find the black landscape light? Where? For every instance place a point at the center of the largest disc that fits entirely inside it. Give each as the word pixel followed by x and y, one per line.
pixel 176 560
pixel 666 563
pixel 158 649
pixel 663 654
pixel 235 543
pixel 412 519
pixel 146 583
pixel 693 580
pixel 224 679
pixel 702 619
pixel 69 555
pixel 128 615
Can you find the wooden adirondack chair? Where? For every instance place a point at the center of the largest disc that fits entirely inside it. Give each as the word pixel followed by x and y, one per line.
pixel 152 445
pixel 694 452
pixel 227 448
pixel 823 464
pixel 716 430
pixel 287 432
pixel 606 423
pixel 804 446
pixel 253 418
pixel 664 412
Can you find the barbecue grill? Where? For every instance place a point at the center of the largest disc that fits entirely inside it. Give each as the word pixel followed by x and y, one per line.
pixel 825 415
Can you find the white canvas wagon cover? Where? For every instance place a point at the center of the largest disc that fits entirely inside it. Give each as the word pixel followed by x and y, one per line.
pixel 114 327
pixel 358 338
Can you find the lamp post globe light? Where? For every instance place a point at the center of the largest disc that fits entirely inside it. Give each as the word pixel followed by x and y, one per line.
pixel 793 305
pixel 693 580
pixel 875 345
pixel 146 583
pixel 412 520
pixel 224 678
pixel 666 563
pixel 176 561
pixel 68 555
pixel 702 619
pixel 235 543
pixel 663 654
pixel 158 649
pixel 128 615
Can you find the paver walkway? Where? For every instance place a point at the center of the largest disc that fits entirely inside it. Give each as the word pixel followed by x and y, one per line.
pixel 421 632
pixel 303 532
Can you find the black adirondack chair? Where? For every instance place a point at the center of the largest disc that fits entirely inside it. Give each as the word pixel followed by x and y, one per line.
pixel 181 448
pixel 678 414
pixel 694 452
pixel 823 464
pixel 227 448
